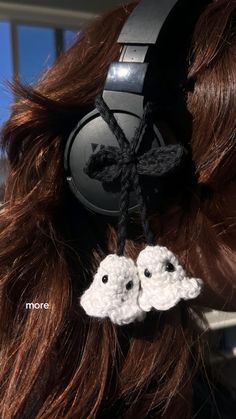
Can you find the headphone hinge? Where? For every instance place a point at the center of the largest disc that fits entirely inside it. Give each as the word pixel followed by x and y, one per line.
pixel 126 77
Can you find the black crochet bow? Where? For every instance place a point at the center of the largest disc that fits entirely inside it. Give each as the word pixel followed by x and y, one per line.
pixel 124 163
pixel 106 165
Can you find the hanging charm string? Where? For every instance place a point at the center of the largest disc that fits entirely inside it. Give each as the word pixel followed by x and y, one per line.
pixel 109 118
pixel 111 163
pixel 129 174
pixel 128 294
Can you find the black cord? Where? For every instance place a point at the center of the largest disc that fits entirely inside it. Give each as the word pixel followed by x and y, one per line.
pixel 129 174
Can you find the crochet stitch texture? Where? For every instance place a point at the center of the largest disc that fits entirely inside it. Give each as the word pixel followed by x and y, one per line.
pixel 163 288
pixel 117 297
pixel 124 291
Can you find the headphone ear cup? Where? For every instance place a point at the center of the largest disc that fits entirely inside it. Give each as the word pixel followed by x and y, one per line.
pixel 90 136
pixel 96 183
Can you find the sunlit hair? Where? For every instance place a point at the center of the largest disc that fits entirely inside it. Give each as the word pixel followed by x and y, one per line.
pixel 58 363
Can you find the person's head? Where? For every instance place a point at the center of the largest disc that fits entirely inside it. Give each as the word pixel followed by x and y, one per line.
pixel 59 362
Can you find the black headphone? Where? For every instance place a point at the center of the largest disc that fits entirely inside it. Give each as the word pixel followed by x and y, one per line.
pixel 119 113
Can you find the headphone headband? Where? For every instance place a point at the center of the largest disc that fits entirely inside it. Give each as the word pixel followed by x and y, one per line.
pixel 140 31
pixel 145 22
pixel 129 87
pixel 118 158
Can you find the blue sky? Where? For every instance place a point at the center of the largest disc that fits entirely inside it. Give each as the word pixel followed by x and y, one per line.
pixel 36 52
pixel 5 69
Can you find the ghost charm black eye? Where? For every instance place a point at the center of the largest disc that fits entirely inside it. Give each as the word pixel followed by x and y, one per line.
pixel 105 279
pixel 129 285
pixel 169 267
pixel 147 273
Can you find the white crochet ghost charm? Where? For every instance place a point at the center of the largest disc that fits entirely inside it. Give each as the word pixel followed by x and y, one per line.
pixel 163 280
pixel 114 291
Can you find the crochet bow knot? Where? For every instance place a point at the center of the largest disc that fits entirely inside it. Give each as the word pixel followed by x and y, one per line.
pixel 127 165
pixel 106 164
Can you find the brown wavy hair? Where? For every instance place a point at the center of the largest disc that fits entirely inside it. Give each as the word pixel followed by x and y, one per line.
pixel 57 363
